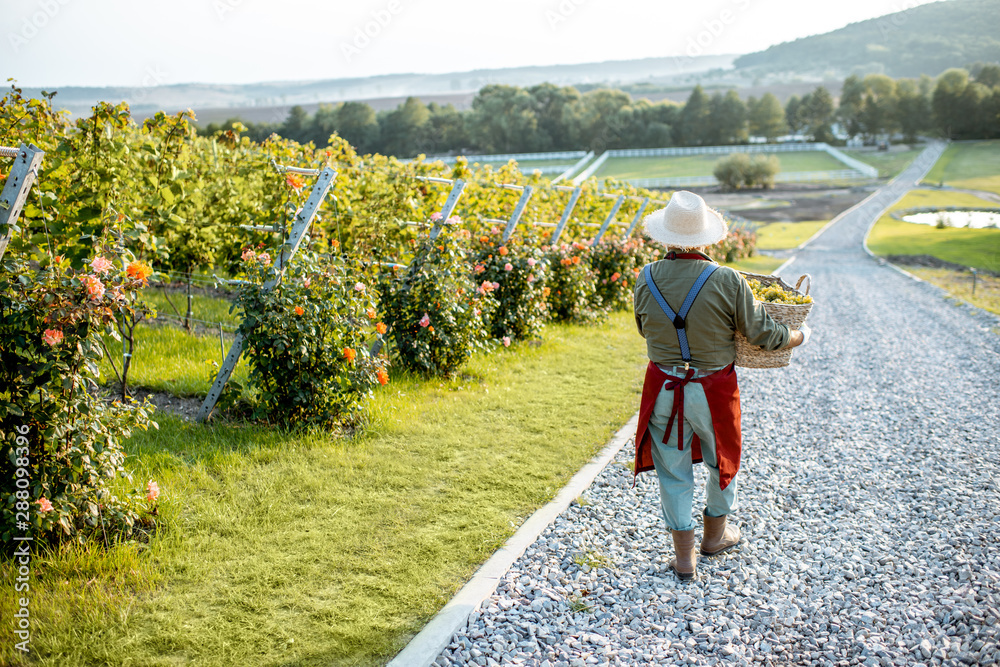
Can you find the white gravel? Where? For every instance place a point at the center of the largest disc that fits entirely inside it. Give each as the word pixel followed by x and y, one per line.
pixel 870 506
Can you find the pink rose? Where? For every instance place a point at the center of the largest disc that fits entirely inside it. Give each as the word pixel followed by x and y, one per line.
pixel 52 337
pixel 359 287
pixel 496 285
pixel 152 491
pixel 425 320
pixel 506 341
pixel 101 265
pixel 44 505
pixel 532 261
pixel 94 287
pixel 435 216
pixel 454 220
pixel 306 282
pixel 248 255
pixel 264 258
pixel 508 267
pixel 531 278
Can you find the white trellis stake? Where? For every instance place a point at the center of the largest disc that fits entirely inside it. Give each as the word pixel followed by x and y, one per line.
pixel 15 191
pixel 299 228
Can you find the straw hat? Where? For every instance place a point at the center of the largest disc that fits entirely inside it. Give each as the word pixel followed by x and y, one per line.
pixel 685 222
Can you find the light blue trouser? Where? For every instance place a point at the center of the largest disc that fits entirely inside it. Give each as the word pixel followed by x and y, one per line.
pixel 675 469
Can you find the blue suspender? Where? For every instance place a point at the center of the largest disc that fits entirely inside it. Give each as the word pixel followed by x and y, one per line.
pixel 678 318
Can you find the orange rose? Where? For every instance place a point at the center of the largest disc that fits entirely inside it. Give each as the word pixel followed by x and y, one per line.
pixel 370 313
pixel 383 377
pixel 299 310
pixel 503 250
pixel 139 271
pixel 576 260
pixel 349 354
pixel 381 327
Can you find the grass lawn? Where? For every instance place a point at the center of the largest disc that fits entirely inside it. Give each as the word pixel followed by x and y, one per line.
pixel 171 360
pixel 702 165
pixel 761 264
pixel 784 235
pixel 312 549
pixel 979 248
pixel 975 166
pixel 203 307
pixel 889 163
pixel 959 285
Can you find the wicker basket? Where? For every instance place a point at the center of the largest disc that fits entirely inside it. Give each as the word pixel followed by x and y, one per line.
pixel 752 356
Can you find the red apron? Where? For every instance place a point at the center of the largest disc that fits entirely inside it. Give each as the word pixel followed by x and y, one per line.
pixel 723 394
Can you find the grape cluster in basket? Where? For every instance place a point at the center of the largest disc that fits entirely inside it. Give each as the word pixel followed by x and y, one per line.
pixel 774 293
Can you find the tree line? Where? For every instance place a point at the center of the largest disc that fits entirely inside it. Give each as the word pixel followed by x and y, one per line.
pixel 958 104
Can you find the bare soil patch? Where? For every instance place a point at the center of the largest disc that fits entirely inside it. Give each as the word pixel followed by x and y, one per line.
pixel 787 203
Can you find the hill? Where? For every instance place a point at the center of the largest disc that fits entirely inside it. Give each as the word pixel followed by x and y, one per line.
pixel 927 39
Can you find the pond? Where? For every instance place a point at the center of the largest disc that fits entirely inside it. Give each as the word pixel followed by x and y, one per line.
pixel 972 219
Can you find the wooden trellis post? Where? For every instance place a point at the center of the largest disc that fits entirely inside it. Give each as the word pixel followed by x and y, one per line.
pixel 299 228
pixel 567 212
pixel 15 191
pixel 637 218
pixel 608 220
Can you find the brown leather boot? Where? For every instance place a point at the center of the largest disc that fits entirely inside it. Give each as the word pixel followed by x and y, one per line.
pixel 684 557
pixel 718 536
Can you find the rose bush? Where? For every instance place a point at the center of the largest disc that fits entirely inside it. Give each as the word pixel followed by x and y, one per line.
pixel 572 287
pixel 516 273
pixel 434 309
pixel 61 440
pixel 307 339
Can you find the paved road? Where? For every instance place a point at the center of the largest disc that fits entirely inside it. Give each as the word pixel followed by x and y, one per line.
pixel 869 499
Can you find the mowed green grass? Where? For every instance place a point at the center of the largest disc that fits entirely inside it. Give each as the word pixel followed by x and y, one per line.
pixel 979 248
pixel 975 166
pixel 703 165
pixel 785 235
pixel 888 163
pixel 959 285
pixel 171 360
pixel 312 549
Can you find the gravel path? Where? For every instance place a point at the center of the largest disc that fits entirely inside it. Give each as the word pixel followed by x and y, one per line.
pixel 870 504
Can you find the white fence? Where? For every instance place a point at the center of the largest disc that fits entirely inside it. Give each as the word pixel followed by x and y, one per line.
pixel 787 177
pixel 796 147
pixel 519 157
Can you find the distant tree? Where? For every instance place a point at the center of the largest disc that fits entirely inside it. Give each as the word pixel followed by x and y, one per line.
pixel 503 119
pixel 296 125
pixel 739 170
pixel 402 129
pixel 878 111
pixel 727 119
pixel 945 102
pixel 607 119
pixel 852 96
pixel 692 130
pixel 792 118
pixel 765 117
pixel 357 123
pixel 987 75
pixel 912 113
pixel 559 112
pixel 445 131
pixel 816 114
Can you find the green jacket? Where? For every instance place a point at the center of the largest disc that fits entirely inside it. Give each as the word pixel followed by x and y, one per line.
pixel 724 306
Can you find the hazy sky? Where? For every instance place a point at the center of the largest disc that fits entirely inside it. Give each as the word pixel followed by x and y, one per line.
pixel 138 43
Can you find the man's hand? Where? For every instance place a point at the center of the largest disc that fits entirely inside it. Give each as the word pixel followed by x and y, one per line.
pixel 800 337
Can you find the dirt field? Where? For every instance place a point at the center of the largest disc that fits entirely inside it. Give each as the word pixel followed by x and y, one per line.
pixel 788 203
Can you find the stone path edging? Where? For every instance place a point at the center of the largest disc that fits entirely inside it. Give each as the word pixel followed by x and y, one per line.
pixel 427 645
